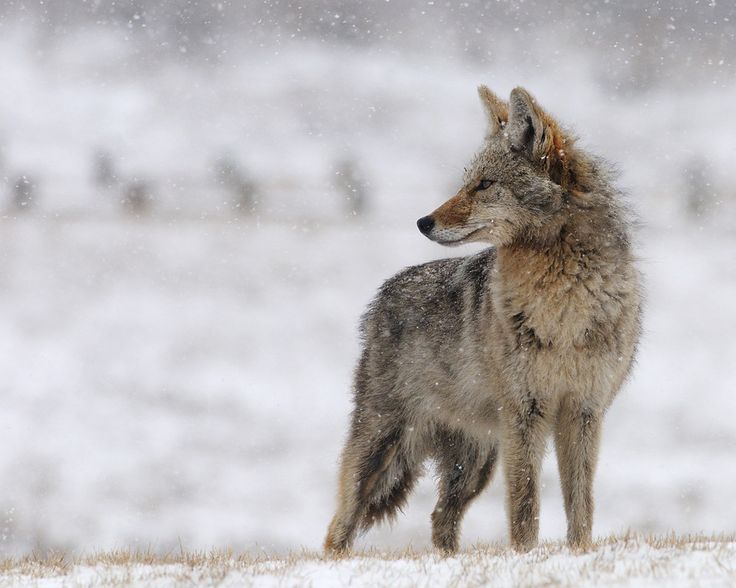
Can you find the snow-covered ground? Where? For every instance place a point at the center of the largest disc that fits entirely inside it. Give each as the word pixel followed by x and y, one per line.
pixel 183 379
pixel 627 561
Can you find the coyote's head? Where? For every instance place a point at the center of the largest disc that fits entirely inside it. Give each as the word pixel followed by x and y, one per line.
pixel 515 185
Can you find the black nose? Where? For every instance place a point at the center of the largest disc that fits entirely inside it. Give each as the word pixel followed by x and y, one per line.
pixel 425 224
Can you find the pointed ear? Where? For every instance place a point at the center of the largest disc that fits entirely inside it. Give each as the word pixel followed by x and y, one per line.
pixel 496 110
pixel 535 133
pixel 526 128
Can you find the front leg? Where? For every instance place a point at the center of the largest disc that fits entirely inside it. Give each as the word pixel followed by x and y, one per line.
pixel 577 437
pixel 524 445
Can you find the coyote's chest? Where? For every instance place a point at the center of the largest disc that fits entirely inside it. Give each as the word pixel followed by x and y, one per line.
pixel 558 321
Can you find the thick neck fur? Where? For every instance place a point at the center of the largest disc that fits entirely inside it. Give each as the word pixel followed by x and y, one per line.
pixel 559 287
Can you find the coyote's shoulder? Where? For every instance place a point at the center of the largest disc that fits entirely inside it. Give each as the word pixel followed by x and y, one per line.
pixel 472 359
pixel 420 292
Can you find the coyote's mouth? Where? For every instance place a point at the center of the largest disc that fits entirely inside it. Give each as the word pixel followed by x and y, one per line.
pixel 455 236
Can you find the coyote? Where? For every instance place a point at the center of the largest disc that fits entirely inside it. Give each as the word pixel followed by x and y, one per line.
pixel 480 358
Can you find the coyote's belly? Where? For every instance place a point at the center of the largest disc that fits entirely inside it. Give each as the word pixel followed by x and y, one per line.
pixel 467 401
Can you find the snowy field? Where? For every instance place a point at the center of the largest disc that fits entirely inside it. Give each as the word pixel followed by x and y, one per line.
pixel 182 380
pixel 629 560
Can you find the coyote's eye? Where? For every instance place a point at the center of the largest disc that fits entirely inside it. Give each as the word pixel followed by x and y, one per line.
pixel 484 185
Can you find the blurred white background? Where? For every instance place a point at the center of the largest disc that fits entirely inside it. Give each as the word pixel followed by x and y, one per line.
pixel 197 200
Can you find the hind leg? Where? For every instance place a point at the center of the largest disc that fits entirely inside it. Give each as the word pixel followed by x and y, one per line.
pixel 377 473
pixel 465 469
